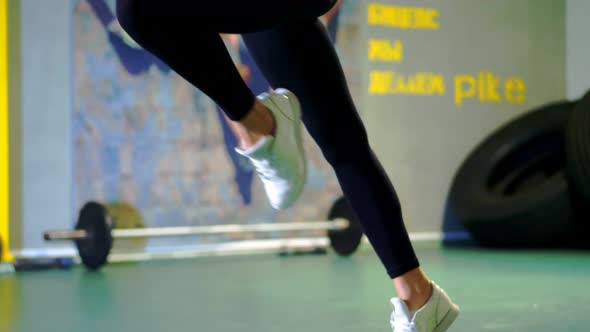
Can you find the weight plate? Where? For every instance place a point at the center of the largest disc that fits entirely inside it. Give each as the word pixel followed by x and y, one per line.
pixel 126 216
pixel 94 220
pixel 344 242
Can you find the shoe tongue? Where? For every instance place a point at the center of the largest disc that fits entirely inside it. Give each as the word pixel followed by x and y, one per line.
pixel 259 150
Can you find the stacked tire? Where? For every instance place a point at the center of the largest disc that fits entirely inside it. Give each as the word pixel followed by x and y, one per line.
pixel 527 185
pixel 578 168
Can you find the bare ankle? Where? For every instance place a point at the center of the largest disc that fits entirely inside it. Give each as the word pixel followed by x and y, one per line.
pixel 257 123
pixel 259 120
pixel 414 288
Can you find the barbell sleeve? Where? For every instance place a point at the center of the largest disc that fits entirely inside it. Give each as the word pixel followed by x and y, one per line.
pixel 77 234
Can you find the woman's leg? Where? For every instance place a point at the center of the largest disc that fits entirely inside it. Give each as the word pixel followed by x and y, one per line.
pixel 304 61
pixel 186 36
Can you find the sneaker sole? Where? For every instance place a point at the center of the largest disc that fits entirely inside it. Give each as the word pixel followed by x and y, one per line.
pixel 448 319
pixel 299 138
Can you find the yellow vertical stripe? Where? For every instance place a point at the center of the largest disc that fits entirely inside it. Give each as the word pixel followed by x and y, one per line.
pixel 4 144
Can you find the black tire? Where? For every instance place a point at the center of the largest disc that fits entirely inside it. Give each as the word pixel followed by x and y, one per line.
pixel 577 142
pixel 511 191
pixel 578 149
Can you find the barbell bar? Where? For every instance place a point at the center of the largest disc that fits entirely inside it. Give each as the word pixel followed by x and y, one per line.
pixel 337 224
pixel 94 235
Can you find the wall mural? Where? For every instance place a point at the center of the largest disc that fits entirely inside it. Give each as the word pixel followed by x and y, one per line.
pixel 143 136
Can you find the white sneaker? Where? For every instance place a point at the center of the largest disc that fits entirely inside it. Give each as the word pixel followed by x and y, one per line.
pixel 280 160
pixel 435 316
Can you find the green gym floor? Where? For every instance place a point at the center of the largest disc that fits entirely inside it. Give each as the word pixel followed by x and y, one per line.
pixel 497 291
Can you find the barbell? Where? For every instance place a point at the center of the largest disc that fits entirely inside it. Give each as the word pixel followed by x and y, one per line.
pixel 94 233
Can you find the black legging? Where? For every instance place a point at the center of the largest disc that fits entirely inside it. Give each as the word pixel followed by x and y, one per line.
pixel 293 52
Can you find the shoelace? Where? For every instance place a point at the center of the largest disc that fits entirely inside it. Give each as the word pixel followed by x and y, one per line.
pixel 403 326
pixel 265 168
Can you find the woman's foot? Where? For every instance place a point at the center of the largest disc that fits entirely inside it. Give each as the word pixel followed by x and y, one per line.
pixel 436 315
pixel 278 156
